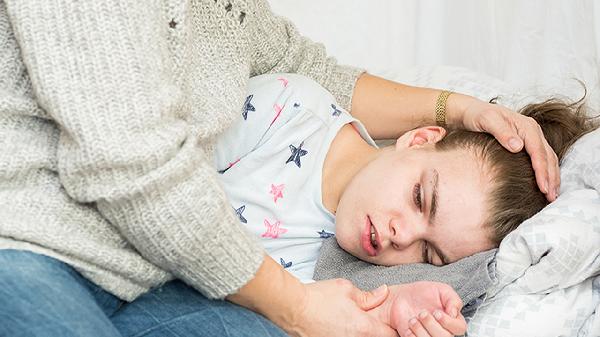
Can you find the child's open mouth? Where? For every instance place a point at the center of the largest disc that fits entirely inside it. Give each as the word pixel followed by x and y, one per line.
pixel 369 239
pixel 373 238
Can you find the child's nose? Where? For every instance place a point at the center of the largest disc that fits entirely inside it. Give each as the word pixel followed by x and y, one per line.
pixel 404 234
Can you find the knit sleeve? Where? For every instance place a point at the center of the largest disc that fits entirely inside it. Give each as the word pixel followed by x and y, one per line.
pixel 277 46
pixel 103 74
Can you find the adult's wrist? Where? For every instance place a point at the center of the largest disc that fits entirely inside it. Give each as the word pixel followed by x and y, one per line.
pixel 456 107
pixel 274 293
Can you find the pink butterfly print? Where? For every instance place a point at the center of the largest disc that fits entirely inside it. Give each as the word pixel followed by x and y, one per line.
pixel 278 109
pixel 277 191
pixel 273 230
pixel 283 81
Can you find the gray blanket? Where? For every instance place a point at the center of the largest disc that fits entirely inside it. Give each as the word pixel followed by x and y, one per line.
pixel 470 277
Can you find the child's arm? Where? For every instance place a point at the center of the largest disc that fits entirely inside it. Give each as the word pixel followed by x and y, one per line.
pixel 404 307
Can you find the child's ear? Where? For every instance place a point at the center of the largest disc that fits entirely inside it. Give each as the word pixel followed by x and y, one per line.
pixel 421 136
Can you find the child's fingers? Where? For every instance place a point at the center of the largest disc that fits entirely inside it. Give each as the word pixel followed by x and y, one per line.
pixel 416 329
pixel 452 304
pixel 432 326
pixel 455 325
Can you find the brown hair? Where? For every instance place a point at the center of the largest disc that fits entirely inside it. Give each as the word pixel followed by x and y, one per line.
pixel 514 195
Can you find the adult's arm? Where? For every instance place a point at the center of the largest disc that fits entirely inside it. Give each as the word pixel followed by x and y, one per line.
pixel 101 69
pixel 388 109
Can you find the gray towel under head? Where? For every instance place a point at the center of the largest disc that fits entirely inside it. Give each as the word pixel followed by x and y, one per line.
pixel 470 276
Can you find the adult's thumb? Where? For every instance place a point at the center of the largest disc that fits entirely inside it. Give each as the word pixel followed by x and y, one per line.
pixel 367 300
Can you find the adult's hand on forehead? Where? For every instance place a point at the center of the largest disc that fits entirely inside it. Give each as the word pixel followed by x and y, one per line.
pixel 515 131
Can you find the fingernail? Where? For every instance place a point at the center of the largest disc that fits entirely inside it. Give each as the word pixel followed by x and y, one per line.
pixel 453 312
pixel 437 314
pixel 514 144
pixel 423 314
pixel 556 193
pixel 546 190
pixel 413 321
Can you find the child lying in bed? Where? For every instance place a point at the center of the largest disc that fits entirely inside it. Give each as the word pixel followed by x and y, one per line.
pixel 299 169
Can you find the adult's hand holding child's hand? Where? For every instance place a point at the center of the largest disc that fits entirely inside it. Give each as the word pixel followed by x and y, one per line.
pixel 338 308
pixel 405 305
pixel 319 309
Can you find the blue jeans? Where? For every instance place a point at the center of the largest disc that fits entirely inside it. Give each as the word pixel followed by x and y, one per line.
pixel 41 296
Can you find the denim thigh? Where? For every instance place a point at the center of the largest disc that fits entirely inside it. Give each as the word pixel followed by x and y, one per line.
pixel 176 309
pixel 41 296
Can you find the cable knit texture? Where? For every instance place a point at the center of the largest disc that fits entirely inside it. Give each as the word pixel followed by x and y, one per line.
pixel 108 113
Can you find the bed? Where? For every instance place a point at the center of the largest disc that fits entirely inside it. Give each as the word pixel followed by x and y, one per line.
pixel 549 269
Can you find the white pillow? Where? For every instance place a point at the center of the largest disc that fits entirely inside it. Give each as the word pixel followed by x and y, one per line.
pixel 548 283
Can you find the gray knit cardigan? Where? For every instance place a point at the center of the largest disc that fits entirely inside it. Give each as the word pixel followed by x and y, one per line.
pixel 108 114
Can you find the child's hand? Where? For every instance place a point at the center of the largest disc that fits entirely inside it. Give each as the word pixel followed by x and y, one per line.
pixel 438 324
pixel 407 301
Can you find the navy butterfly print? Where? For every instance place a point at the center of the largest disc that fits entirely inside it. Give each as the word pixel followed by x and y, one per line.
pixel 239 212
pixel 285 264
pixel 336 111
pixel 297 152
pixel 248 107
pixel 296 105
pixel 325 235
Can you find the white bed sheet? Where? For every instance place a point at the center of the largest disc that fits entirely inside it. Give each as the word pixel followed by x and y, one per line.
pixel 537 46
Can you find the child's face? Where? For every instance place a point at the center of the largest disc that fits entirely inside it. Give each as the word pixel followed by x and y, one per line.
pixel 383 198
